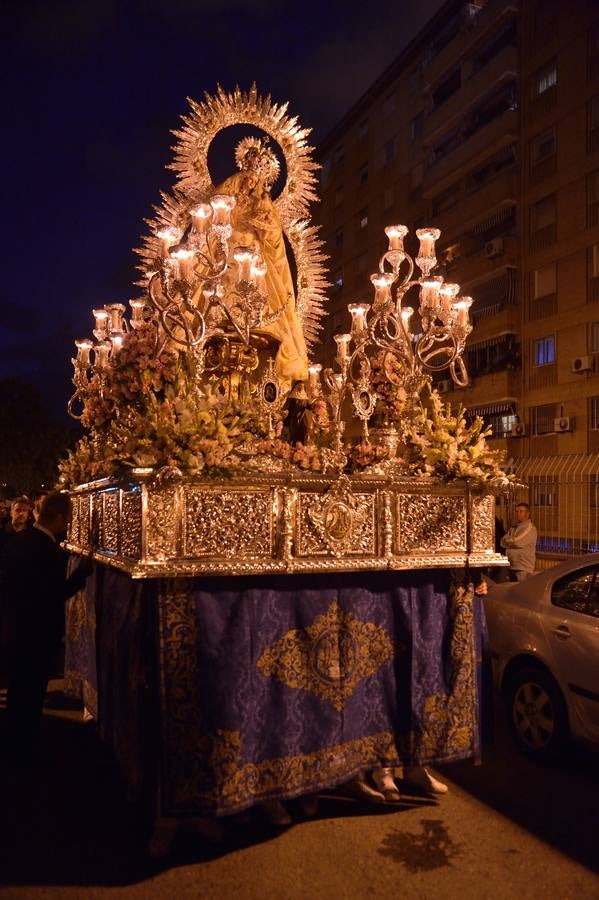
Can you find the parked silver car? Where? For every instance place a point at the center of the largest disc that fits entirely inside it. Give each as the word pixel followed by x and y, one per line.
pixel 544 636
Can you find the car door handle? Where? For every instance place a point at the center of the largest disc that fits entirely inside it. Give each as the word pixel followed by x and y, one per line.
pixel 562 632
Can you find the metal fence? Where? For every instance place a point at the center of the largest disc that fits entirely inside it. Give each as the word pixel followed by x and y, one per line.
pixel 563 493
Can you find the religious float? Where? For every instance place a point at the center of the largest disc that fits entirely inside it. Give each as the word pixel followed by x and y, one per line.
pixel 282 596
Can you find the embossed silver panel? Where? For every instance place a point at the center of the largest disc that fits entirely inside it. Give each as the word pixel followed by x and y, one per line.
pixel 427 523
pixel 131 524
pixel 337 522
pixel 482 527
pixel 228 523
pixel 162 520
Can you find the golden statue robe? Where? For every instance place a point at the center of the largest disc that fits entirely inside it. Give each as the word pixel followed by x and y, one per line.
pixel 256 223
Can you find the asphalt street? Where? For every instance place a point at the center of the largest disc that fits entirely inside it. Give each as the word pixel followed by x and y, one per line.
pixel 507 828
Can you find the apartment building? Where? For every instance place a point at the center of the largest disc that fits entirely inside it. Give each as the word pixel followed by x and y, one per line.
pixel 487 126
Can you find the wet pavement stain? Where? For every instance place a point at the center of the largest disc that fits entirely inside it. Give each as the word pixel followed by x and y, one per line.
pixel 432 849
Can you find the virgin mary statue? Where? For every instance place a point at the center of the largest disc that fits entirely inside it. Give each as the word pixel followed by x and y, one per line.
pixel 256 225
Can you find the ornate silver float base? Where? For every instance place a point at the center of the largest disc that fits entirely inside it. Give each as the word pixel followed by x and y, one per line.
pixel 282 523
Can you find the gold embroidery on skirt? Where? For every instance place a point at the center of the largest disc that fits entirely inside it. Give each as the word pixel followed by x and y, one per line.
pixel 330 657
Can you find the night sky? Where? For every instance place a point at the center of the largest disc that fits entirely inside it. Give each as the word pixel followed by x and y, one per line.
pixel 92 89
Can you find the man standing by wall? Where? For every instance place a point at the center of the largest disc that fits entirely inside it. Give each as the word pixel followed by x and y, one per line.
pixel 520 544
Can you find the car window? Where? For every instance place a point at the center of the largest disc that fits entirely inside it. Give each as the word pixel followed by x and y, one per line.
pixel 578 591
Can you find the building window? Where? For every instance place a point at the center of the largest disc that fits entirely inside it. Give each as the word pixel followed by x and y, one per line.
pixel 544 351
pixel 339 155
pixel 543 217
pixel 542 418
pixel 338 277
pixel 594 413
pixel 416 126
pixel 544 281
pixel 544 79
pixel 338 196
pixel 501 425
pixel 363 217
pixel 389 152
pixel 594 337
pixel 339 238
pixel 593 199
pixel 363 130
pixel 543 146
pixel 363 174
pixel 388 198
pixel 594 484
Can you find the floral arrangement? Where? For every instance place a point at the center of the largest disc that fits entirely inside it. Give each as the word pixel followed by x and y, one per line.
pixel 386 379
pixel 439 443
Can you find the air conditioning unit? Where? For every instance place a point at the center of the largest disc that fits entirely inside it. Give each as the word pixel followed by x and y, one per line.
pixel 564 423
pixel 583 364
pixel 494 248
pixel 519 429
pixel 444 386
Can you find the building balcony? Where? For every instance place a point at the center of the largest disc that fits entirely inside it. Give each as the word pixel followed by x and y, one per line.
pixel 473 150
pixel 475 206
pixel 501 318
pixel 489 17
pixel 502 68
pixel 491 388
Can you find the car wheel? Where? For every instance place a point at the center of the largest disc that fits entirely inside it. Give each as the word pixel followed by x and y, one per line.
pixel 537 714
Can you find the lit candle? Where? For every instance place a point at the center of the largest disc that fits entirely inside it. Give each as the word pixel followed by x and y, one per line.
pixel 314 379
pixel 167 236
pixel 200 216
pixel 183 263
pixel 117 342
pixel 396 234
pixel 382 282
pixel 137 309
pixel 406 314
pixel 101 354
pixel 84 345
pixel 429 291
pixel 244 257
pixel 358 316
pixel 222 204
pixel 101 317
pixel 337 380
pixel 259 271
pixel 426 259
pixel 447 294
pixel 461 308
pixel 115 311
pixel 342 341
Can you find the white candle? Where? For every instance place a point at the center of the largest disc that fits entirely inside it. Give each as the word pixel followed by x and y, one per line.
pixel 429 292
pixel 382 282
pixel 358 312
pixel 396 234
pixel 427 238
pixel 183 263
pixel 222 204
pixel 342 341
pixel 84 345
pixel 137 308
pixel 168 237
pixel 447 295
pixel 101 317
pixel 258 275
pixel 200 216
pixel 244 257
pixel 101 354
pixel 115 310
pixel 461 308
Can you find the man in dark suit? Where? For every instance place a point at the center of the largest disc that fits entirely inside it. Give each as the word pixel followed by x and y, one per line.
pixel 37 590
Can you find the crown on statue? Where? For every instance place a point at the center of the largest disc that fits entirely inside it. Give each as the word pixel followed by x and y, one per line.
pixel 254 155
